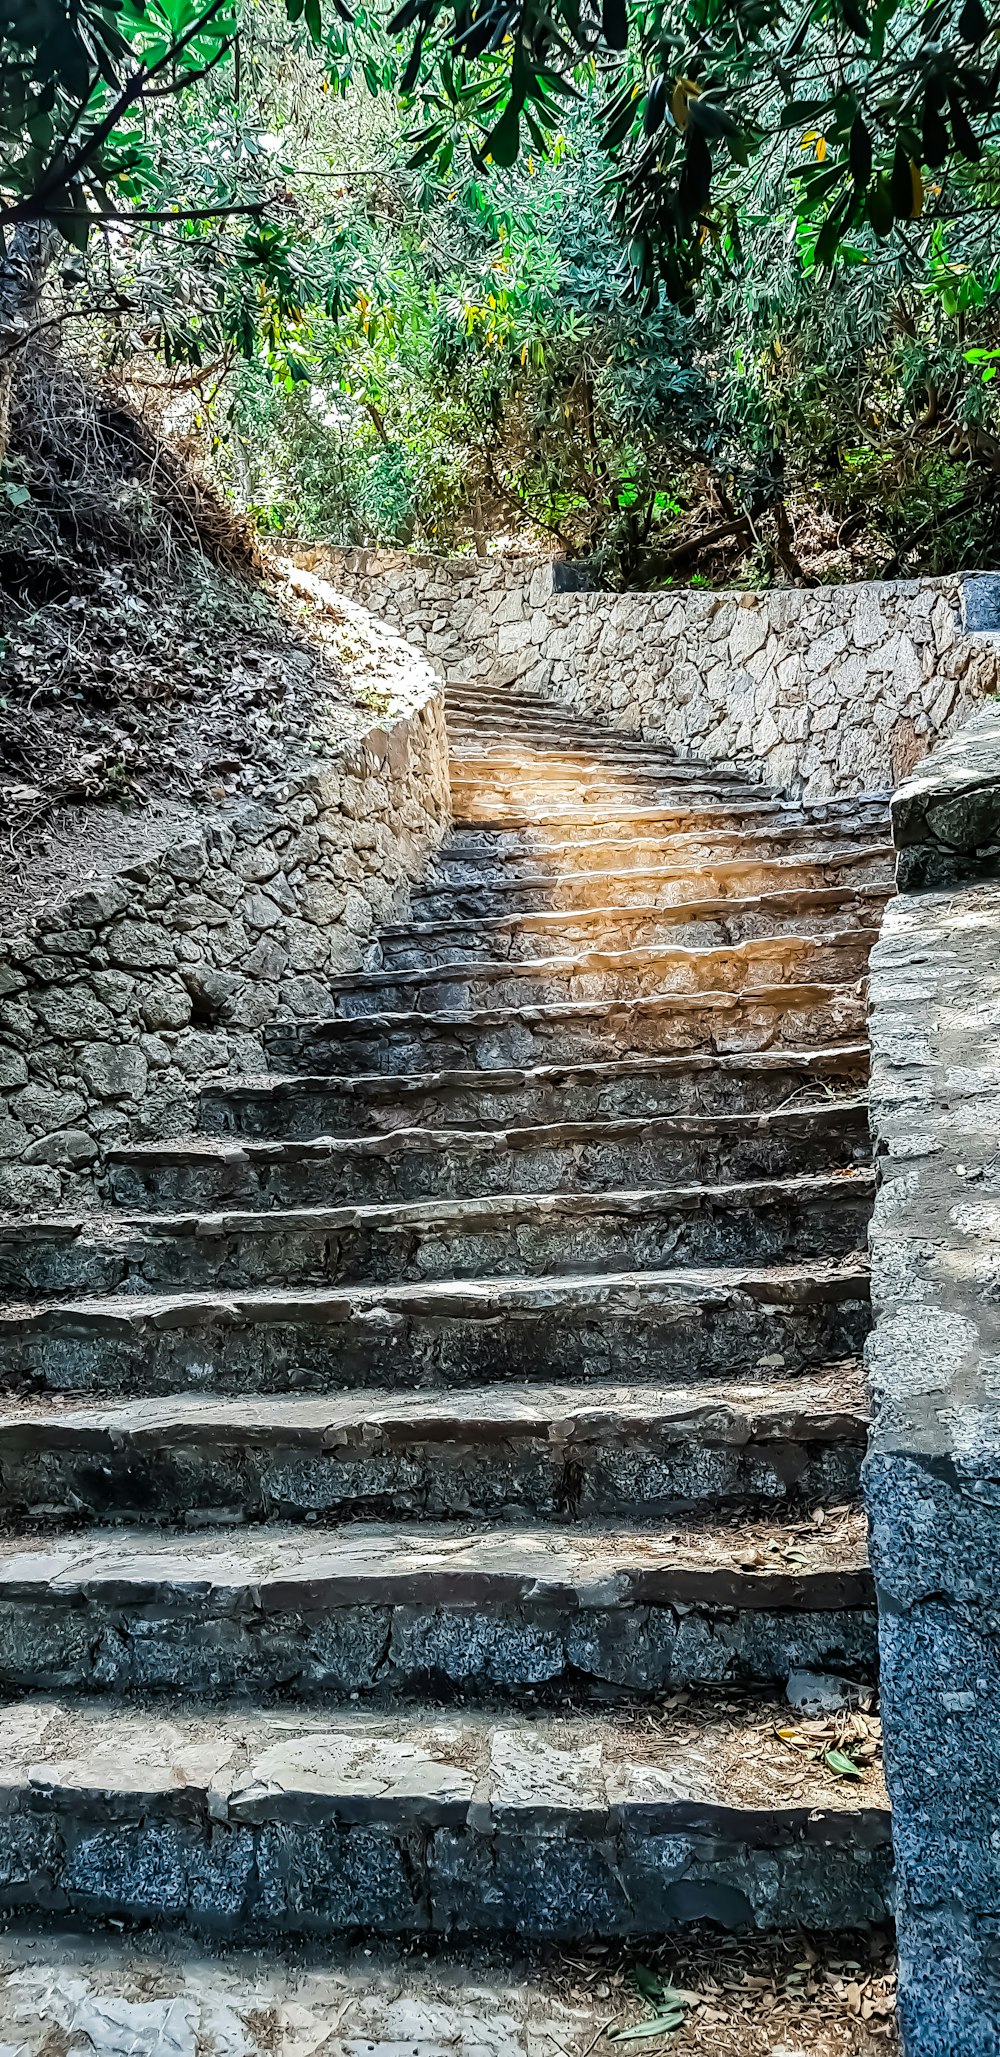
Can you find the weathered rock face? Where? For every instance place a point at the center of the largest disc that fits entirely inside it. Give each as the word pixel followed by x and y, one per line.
pixel 933 1473
pixel 841 689
pixel 422 1485
pixel 118 1000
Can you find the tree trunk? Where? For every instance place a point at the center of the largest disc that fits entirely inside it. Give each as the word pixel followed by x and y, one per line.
pixel 23 267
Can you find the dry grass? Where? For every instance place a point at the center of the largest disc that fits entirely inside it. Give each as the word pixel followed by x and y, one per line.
pixel 144 654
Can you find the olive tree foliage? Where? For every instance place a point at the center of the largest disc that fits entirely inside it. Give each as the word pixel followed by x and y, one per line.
pixel 481 373
pixel 375 257
pixel 889 98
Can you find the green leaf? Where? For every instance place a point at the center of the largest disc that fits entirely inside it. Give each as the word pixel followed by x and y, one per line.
pixel 614 22
pixel 801 113
pixel 973 22
pixel 844 1767
pixel 934 134
pixel 966 140
pixel 854 19
pixel 901 184
pixel 660 2025
pixel 504 141
pixel 879 208
pixel 860 152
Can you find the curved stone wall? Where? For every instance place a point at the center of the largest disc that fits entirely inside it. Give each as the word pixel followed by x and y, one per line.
pixel 119 998
pixel 830 689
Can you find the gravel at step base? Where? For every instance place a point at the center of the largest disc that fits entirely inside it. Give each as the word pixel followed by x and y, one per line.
pixel 156 1995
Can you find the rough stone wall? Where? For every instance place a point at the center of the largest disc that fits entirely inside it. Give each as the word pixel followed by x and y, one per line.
pixel 933 1469
pixel 835 689
pixel 118 999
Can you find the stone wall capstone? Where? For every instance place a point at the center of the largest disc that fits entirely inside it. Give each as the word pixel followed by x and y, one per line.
pixel 818 691
pixel 932 1477
pixel 120 996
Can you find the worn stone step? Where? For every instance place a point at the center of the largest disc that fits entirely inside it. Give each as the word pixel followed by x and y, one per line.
pixel 422 1164
pixel 696 923
pixel 671 1326
pixel 564 824
pixel 739 810
pixel 256 1822
pixel 374 1993
pixel 296 1106
pixel 503 1236
pixel 839 956
pixel 474 744
pixel 593 1609
pixel 554 781
pixel 477 894
pixel 554 1453
pixel 757 1016
pixel 493 857
pixel 477 727
pixel 574 819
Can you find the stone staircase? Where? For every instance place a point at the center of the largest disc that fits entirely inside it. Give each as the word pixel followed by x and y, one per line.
pixel 420 1488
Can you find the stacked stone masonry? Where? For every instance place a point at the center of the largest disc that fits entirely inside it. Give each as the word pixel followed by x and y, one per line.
pixel 121 995
pixel 933 1470
pixel 837 689
pixel 427 1483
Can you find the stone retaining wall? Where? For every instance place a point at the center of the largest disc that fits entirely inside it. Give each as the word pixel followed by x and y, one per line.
pixel 834 689
pixel 118 999
pixel 933 1470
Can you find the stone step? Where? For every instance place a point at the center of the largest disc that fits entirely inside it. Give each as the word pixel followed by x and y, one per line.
pixel 505 700
pixel 252 1821
pixel 440 1164
pixel 475 893
pixel 577 816
pixel 566 824
pixel 516 1236
pixel 756 1016
pixel 472 715
pixel 696 923
pixel 675 1325
pixel 840 956
pixel 370 1994
pixel 555 781
pixel 739 810
pixel 475 743
pixel 494 857
pixel 591 1610
pixel 296 1106
pixel 554 1453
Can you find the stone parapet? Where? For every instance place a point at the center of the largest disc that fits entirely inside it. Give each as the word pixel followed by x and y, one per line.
pixel 933 1469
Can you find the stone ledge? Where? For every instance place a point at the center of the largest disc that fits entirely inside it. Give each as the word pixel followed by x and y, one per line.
pixel 932 1476
pixel 946 816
